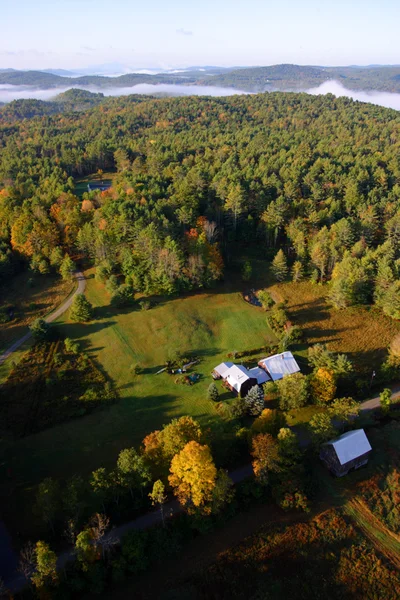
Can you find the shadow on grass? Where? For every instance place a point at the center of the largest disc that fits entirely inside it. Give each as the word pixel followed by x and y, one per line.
pixel 82 330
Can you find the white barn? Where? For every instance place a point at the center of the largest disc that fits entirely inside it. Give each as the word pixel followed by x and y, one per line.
pixel 279 365
pixel 349 451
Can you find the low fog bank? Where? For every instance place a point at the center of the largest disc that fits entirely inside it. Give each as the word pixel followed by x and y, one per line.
pixel 16 92
pixel 387 99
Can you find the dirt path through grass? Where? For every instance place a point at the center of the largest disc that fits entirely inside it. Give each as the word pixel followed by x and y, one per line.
pixel 50 318
pixel 385 541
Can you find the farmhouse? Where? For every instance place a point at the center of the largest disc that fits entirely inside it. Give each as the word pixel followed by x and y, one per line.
pixel 349 451
pixel 239 380
pixel 279 365
pixel 221 370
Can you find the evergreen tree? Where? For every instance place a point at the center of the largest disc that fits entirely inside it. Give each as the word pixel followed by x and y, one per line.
pixel 212 393
pixel 297 271
pixel 81 309
pixel 279 266
pixel 67 268
pixel 255 400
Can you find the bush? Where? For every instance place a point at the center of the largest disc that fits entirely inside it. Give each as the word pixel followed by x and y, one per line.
pixel 145 304
pixel 266 299
pixel 71 346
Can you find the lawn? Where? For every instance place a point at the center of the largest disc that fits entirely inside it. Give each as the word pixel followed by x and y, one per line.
pixel 208 324
pixel 82 183
pixel 363 333
pixel 29 300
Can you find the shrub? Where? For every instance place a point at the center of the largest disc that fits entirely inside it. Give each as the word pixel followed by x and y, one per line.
pixel 145 304
pixel 71 346
pixel 266 299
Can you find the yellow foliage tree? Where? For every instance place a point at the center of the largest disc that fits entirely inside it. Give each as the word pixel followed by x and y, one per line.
pixel 323 386
pixel 270 421
pixel 193 476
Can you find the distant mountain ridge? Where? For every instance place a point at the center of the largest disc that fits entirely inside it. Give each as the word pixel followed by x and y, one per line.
pixel 283 77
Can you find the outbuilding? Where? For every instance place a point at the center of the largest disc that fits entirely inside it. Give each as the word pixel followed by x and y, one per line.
pixel 279 365
pixel 260 374
pixel 347 452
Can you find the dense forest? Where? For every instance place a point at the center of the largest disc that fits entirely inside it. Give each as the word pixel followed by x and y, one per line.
pixel 312 180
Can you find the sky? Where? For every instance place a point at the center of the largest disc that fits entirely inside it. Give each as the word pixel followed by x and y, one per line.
pixel 166 34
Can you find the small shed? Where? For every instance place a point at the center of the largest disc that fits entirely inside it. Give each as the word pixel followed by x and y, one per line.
pixel 239 380
pixel 261 375
pixel 349 451
pixel 221 370
pixel 279 365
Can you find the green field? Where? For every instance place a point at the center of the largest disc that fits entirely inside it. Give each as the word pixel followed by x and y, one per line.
pixel 82 183
pixel 208 324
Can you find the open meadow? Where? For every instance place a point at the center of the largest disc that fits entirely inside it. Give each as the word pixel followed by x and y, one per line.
pixel 208 325
pixel 362 332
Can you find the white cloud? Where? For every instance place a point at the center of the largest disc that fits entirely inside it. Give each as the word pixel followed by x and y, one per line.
pixel 182 31
pixel 387 99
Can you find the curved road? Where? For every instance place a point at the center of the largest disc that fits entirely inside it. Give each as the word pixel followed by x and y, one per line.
pixel 50 318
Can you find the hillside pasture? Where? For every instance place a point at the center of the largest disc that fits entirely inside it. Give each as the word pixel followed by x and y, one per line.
pixel 207 325
pixel 363 333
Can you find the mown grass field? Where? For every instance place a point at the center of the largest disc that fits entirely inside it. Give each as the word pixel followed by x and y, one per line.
pixel 82 183
pixel 29 302
pixel 363 333
pixel 208 325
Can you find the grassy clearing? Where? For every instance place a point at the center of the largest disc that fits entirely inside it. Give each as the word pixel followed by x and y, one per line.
pixel 82 183
pixel 29 303
pixel 208 324
pixel 363 333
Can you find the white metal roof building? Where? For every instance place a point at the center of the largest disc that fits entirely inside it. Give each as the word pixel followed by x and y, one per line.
pixel 223 368
pixel 351 445
pixel 236 376
pixel 279 365
pixel 349 451
pixel 261 375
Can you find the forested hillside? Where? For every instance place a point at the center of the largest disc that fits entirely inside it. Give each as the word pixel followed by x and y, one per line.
pixel 297 77
pixel 317 177
pixel 283 77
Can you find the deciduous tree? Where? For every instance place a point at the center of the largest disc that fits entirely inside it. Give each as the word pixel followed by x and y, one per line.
pixel 193 477
pixel 265 453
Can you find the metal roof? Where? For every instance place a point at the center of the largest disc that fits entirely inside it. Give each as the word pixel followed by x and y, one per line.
pixel 236 376
pixel 280 364
pixel 350 445
pixel 223 368
pixel 259 373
